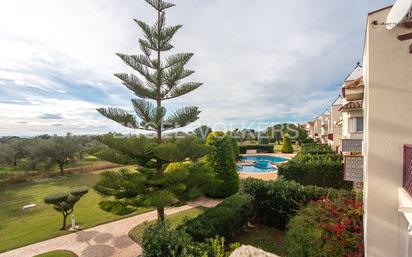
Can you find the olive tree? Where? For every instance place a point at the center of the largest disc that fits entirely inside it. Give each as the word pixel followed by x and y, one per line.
pixel 64 202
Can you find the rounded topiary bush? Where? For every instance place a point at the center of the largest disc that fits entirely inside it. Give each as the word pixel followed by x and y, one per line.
pixel 330 228
pixel 287 146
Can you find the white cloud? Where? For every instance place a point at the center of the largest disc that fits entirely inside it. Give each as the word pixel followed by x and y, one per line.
pixel 266 61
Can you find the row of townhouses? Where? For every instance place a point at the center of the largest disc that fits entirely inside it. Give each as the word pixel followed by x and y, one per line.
pixel 370 122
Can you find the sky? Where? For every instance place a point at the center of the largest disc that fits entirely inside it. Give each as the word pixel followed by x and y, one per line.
pixel 267 62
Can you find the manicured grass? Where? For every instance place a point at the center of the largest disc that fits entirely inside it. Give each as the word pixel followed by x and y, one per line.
pixel 263 237
pixel 19 228
pixel 58 253
pixel 174 220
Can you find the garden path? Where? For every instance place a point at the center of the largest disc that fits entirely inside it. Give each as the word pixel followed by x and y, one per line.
pixel 107 240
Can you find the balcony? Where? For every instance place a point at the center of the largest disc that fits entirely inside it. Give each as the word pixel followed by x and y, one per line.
pixel 352 145
pixel 407 169
pixel 353 168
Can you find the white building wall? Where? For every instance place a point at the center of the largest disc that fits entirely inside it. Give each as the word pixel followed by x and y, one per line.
pixel 388 126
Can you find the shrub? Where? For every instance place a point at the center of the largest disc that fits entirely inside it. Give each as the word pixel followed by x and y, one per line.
pixel 287 146
pixel 326 228
pixel 275 202
pixel 159 240
pixel 324 170
pixel 226 219
pixel 259 148
pixel 316 148
pixel 222 160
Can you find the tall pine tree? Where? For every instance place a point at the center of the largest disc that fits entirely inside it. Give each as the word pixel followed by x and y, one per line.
pixel 160 80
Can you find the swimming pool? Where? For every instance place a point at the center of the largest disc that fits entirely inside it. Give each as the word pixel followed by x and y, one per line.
pixel 254 169
pixel 269 158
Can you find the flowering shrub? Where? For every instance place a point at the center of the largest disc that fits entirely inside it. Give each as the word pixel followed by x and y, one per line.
pixel 327 228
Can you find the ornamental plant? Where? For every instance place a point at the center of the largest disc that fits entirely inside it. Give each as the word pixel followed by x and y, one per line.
pixel 159 78
pixel 222 160
pixel 287 146
pixel 64 202
pixel 327 227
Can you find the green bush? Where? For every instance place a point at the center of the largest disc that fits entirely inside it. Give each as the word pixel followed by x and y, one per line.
pixel 287 146
pixel 313 148
pixel 226 219
pixel 222 161
pixel 276 202
pixel 324 170
pixel 259 148
pixel 326 228
pixel 159 240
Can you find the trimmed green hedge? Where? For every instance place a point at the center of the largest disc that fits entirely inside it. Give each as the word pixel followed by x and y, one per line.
pixel 316 148
pixel 226 219
pixel 324 170
pixel 276 202
pixel 260 148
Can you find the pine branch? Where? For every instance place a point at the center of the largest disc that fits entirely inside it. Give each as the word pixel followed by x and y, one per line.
pixel 182 89
pixel 133 83
pixel 181 118
pixel 151 116
pixel 159 4
pixel 129 60
pixel 120 116
pixel 180 59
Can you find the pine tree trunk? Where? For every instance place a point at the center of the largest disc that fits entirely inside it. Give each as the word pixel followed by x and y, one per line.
pixel 160 210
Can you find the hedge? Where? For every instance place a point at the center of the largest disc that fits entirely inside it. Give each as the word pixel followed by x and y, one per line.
pixel 314 148
pixel 226 219
pixel 276 202
pixel 324 170
pixel 259 148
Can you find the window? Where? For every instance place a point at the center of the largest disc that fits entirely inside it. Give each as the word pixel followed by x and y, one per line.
pixel 357 124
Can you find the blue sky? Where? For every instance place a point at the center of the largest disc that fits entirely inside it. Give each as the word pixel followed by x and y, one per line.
pixel 270 61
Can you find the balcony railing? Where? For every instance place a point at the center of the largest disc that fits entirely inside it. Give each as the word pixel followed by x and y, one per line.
pixel 352 145
pixel 407 169
pixel 353 168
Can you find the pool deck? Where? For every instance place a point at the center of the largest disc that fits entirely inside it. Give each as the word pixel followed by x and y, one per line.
pixel 263 176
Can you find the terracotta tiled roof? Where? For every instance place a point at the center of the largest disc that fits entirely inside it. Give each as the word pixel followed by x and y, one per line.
pixel 356 83
pixel 352 105
pixel 311 123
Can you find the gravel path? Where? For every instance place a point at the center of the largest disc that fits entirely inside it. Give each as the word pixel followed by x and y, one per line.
pixel 108 240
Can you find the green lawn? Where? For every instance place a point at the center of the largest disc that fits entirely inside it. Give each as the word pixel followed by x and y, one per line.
pixel 263 237
pixel 58 253
pixel 19 228
pixel 174 220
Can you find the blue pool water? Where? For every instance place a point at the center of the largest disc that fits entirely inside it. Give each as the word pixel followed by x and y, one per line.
pixel 254 169
pixel 263 158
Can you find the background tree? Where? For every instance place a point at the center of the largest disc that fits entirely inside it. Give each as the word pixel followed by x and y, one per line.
pixel 61 150
pixel 64 202
pixel 287 146
pixel 37 151
pixel 7 154
pixel 202 131
pixel 162 81
pixel 222 160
